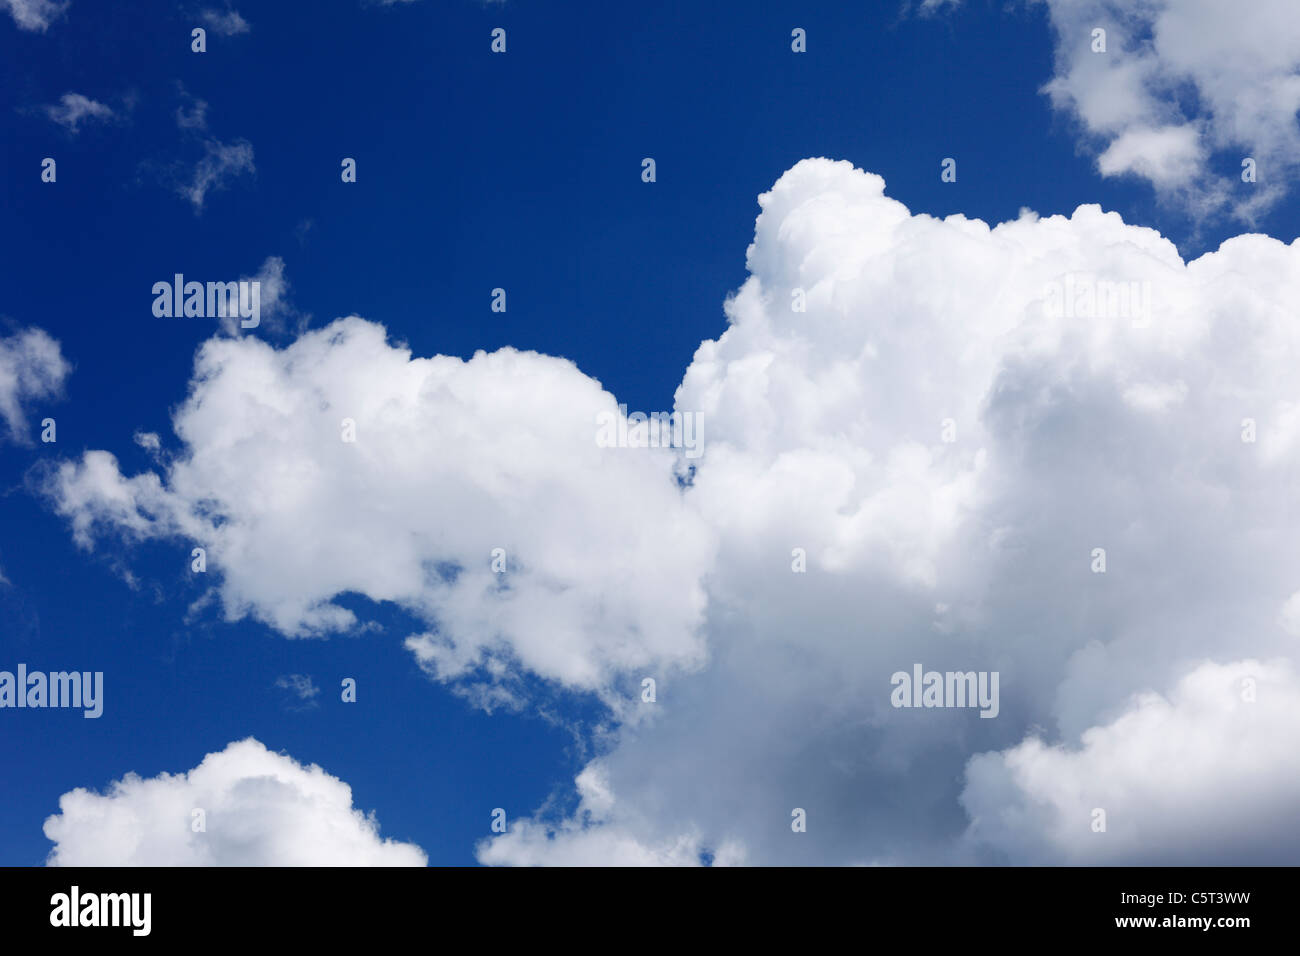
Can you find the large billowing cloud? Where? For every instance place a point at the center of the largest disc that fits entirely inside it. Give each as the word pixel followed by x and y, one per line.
pixel 944 420
pixel 257 808
pixel 1183 92
pixel 1079 423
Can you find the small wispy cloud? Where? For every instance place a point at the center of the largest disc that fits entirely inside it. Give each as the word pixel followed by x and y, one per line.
pixel 196 117
pixel 149 441
pixel 35 15
pixel 302 687
pixel 220 163
pixel 73 109
pixel 274 307
pixel 32 366
pixel 226 24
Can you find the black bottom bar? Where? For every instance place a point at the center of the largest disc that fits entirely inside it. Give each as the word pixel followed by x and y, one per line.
pixel 1150 906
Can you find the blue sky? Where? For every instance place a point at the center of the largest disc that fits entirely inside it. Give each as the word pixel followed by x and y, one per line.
pixel 475 171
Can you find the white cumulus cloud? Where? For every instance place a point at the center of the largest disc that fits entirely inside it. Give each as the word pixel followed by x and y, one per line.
pixel 452 460
pixel 258 809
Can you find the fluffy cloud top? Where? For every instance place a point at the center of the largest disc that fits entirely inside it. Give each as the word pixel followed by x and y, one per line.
pixel 943 419
pixel 259 809
pixel 31 367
